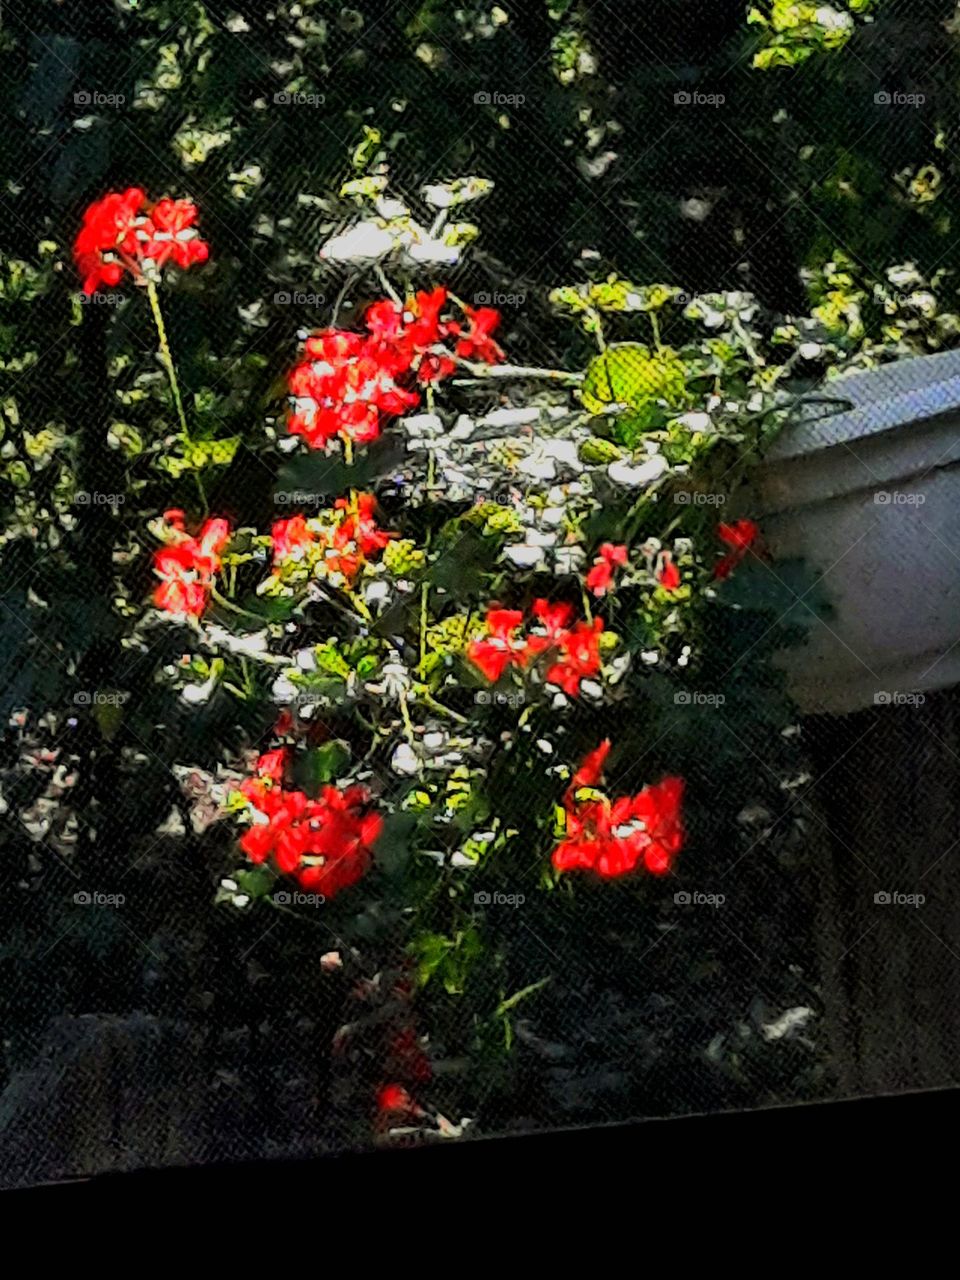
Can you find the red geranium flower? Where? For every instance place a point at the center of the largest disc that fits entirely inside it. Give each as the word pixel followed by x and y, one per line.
pixel 477 343
pixel 326 843
pixel 668 575
pixel 501 647
pixel 393 1099
pixel 174 235
pixel 122 232
pixel 600 578
pixel 187 565
pixel 290 537
pixel 615 838
pixel 579 656
pixel 740 536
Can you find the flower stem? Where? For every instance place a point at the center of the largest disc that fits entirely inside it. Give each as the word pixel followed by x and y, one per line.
pixel 166 356
pixel 483 371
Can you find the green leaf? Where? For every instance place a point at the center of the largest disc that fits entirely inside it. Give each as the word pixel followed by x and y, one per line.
pixel 630 374
pixel 314 768
pixel 393 848
pixel 255 881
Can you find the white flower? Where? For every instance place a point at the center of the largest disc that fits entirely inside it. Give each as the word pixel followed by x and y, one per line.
pixel 366 241
pixel 404 760
pixel 701 422
pixel 634 476
pixel 810 350
pixel 832 19
pixel 284 690
pixel 432 251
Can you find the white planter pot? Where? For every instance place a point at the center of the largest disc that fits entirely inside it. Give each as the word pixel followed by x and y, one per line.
pixel 870 498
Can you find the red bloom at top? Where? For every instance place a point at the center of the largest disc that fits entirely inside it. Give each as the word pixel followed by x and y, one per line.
pixel 123 232
pixel 740 536
pixel 186 566
pixel 615 838
pixel 174 235
pixel 600 578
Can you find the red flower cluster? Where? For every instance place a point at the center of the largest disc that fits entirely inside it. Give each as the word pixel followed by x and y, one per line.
pixel 326 843
pixel 614 838
pixel 350 381
pixel 600 578
pixel 740 536
pixel 186 565
pixel 574 651
pixel 123 232
pixel 352 538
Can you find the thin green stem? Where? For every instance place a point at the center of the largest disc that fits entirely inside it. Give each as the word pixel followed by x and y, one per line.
pixel 166 356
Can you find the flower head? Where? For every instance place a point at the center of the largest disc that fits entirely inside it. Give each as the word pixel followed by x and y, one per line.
pixel 187 565
pixel 614 838
pixel 124 232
